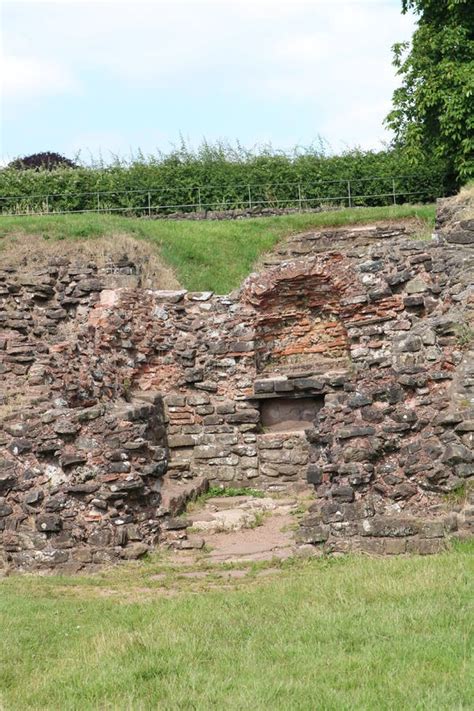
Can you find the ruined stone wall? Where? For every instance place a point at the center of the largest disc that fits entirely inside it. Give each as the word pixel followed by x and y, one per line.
pixel 344 367
pixel 391 456
pixel 80 468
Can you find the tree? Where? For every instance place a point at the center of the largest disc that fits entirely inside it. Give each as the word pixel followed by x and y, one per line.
pixel 433 110
pixel 42 161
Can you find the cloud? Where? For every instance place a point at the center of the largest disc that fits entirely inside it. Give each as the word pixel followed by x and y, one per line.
pixel 26 77
pixel 339 69
pixel 108 144
pixel 242 68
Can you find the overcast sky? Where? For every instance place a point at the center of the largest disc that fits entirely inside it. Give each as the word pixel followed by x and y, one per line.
pixel 117 75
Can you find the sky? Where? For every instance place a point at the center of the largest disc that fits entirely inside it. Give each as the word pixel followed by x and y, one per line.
pixel 114 76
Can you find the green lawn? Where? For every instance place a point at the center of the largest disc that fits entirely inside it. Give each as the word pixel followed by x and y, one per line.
pixel 347 633
pixel 206 255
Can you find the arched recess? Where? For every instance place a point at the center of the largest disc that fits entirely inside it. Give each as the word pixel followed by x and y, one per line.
pixel 298 313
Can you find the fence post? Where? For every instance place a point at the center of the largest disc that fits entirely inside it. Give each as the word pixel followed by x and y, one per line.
pixel 250 198
pixel 149 204
pixel 98 202
pixel 393 192
pixel 47 203
pixel 299 195
pixel 199 199
pixel 349 192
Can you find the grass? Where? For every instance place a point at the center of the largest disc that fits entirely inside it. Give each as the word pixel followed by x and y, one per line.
pixel 224 492
pixel 464 335
pixel 231 491
pixel 36 251
pixel 203 254
pixel 348 633
pixel 459 495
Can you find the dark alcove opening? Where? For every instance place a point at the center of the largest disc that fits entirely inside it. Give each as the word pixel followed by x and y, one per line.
pixel 285 414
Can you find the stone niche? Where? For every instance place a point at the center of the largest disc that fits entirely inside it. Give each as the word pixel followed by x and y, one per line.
pixel 289 414
pixel 298 320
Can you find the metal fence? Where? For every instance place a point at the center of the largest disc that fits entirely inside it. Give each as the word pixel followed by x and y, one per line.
pixel 353 192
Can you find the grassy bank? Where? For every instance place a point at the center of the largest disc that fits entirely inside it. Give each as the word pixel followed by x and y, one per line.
pixel 351 633
pixel 206 255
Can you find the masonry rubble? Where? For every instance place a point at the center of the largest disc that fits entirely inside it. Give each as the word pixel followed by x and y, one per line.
pixel 113 394
pixel 237 213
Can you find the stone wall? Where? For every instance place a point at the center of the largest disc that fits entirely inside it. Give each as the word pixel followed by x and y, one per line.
pixel 80 468
pixel 236 214
pixel 391 456
pixel 111 392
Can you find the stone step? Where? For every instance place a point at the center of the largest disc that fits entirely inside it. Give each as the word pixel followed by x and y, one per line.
pixel 175 495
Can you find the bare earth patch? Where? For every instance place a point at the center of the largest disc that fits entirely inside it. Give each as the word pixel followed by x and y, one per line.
pixel 244 528
pixel 34 251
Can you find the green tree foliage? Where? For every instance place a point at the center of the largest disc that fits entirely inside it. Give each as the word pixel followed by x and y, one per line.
pixel 433 110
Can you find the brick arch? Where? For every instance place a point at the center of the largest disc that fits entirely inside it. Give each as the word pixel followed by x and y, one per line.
pixel 299 309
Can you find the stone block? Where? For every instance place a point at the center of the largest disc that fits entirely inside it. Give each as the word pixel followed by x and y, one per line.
pixel 8 479
pixel 303 384
pixel 100 538
pixel 464 469
pixel 415 301
pixel 176 524
pixel 465 426
pixel 226 407
pixel 231 460
pixel 264 386
pixel 432 529
pixel 134 551
pixel 208 451
pixel 71 459
pixel 314 474
pixel 198 398
pixel 83 555
pixel 20 446
pixel 410 344
pixel 83 488
pixel 425 546
pixel 155 469
pixel 389 526
pixel 5 508
pixel 175 400
pixel 343 493
pixel 248 462
pixel 66 427
pixel 183 440
pixel 417 285
pixel 312 534
pixel 394 546
pixel 359 400
pixel 284 386
pixel 249 416
pixel 206 410
pixel 48 523
pixel 352 432
pixel 456 453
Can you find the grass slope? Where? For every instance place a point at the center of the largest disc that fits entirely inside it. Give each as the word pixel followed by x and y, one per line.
pixel 206 255
pixel 350 633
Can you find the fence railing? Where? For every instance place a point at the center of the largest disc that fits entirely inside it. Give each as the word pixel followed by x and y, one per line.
pixel 149 201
